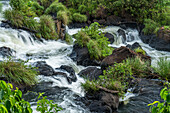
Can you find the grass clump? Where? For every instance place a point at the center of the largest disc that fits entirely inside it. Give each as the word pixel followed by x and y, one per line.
pixel 68 38
pixel 79 17
pixel 18 72
pixel 47 28
pixel 93 38
pixel 114 78
pixel 140 50
pixel 63 16
pixel 163 68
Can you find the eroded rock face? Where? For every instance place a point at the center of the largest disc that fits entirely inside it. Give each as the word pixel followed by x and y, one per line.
pixel 82 57
pixel 120 54
pixel 44 68
pixel 6 51
pixel 101 102
pixel 91 73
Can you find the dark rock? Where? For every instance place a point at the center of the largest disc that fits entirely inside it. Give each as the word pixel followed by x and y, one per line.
pixel 126 25
pixel 6 51
pixel 44 68
pixel 91 73
pixel 134 46
pixel 155 42
pixel 72 76
pixel 123 34
pixel 77 25
pixel 110 37
pixel 101 21
pixel 113 20
pixel 164 34
pixel 102 102
pixel 120 54
pixel 82 57
pixel 5 24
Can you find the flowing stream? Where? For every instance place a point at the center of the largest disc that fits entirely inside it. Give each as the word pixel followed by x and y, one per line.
pixel 55 53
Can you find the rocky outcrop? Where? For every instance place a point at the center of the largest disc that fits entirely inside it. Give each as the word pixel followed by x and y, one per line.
pixel 81 56
pixel 120 54
pixel 134 46
pixel 110 37
pixel 44 68
pixel 6 51
pixel 91 73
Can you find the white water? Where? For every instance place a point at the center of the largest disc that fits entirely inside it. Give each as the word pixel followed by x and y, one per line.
pixel 55 53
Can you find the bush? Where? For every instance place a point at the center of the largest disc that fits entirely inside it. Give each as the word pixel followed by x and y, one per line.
pixel 114 78
pixel 36 7
pixel 164 107
pixel 17 4
pixel 11 101
pixel 163 68
pixel 47 27
pixel 47 3
pixel 63 16
pixel 92 38
pixel 79 17
pixel 151 27
pixel 18 72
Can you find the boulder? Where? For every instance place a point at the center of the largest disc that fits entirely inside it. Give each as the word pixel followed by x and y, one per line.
pixel 44 68
pixel 6 51
pixel 82 57
pixel 113 20
pixel 91 73
pixel 120 54
pixel 134 46
pixel 110 37
pixel 100 21
pixel 72 76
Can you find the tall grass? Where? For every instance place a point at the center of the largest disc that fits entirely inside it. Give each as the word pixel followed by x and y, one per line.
pixel 163 68
pixel 18 72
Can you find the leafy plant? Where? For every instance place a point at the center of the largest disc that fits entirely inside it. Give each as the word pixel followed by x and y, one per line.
pixel 68 38
pixel 140 50
pixel 18 72
pixel 79 17
pixel 164 107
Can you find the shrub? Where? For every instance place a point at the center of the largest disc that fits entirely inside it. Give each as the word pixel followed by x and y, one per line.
pixel 18 72
pixel 163 68
pixel 17 4
pixel 63 16
pixel 82 8
pixel 47 28
pixel 31 23
pixel 79 17
pixel 164 107
pixel 150 27
pixel 92 38
pixel 11 101
pixel 47 3
pixel 36 7
pixel 114 78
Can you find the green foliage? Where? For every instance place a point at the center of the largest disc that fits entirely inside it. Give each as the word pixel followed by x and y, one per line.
pixel 140 50
pixel 92 38
pixel 63 16
pixel 47 28
pixel 114 78
pixel 163 68
pixel 82 8
pixel 47 106
pixel 11 101
pixel 164 107
pixel 18 72
pixel 79 17
pixel 37 8
pixel 17 4
pixel 138 66
pixel 150 27
pixel 46 3
pixel 68 38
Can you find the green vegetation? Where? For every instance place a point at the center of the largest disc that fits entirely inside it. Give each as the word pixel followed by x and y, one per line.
pixel 18 72
pixel 140 50
pixel 164 107
pixel 68 38
pixel 79 17
pixel 47 27
pixel 163 68
pixel 93 38
pixel 11 101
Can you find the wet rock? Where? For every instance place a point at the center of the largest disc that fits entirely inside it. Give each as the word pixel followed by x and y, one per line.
pixel 110 37
pixel 122 33
pixel 5 24
pixel 77 25
pixel 91 73
pixel 72 76
pixel 134 46
pixel 6 51
pixel 120 54
pixel 164 34
pixel 101 21
pixel 155 42
pixel 82 57
pixel 101 102
pixel 44 68
pixel 126 25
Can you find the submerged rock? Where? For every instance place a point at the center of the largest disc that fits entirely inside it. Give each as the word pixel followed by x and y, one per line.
pixel 82 56
pixel 6 51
